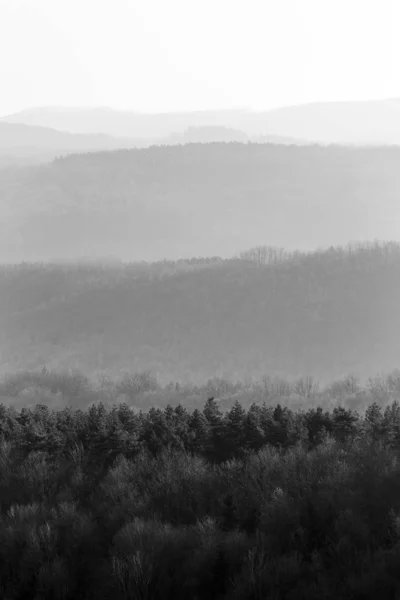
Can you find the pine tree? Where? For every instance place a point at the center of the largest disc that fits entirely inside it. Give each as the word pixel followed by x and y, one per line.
pixel 254 436
pixel 391 424
pixel 345 423
pixel 214 417
pixel 199 432
pixel 234 429
pixel 374 421
pixel 212 412
pixel 318 425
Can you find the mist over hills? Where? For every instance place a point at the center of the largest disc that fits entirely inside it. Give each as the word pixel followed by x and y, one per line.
pixel 198 199
pixel 212 134
pixel 268 312
pixel 365 122
pixel 22 144
pixel 121 123
pixel 324 314
pixel 360 123
pixel 21 136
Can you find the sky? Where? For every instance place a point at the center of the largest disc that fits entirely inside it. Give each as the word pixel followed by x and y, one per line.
pixel 171 55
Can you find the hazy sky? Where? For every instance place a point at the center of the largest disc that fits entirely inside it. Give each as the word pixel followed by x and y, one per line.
pixel 161 55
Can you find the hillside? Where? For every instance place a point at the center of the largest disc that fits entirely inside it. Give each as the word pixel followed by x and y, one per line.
pixel 198 199
pixel 20 136
pixel 22 144
pixel 367 122
pixel 212 134
pixel 122 123
pixel 207 135
pixel 324 314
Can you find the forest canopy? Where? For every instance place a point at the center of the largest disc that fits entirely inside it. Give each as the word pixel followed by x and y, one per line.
pixel 198 199
pixel 268 312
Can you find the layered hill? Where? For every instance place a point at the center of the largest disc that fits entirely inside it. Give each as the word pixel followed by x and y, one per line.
pixel 22 144
pixel 27 143
pixel 20 136
pixel 123 123
pixel 367 122
pixel 198 199
pixel 324 314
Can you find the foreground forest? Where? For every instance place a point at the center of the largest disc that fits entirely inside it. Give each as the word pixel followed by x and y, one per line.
pixel 267 313
pixel 198 199
pixel 247 504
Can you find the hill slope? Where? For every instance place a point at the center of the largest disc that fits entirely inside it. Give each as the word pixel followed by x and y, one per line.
pixel 42 144
pixel 29 144
pixel 324 314
pixel 18 135
pixel 214 199
pixel 367 122
pixel 121 123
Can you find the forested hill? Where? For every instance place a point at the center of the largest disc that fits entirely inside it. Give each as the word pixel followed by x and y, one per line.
pixel 198 199
pixel 324 314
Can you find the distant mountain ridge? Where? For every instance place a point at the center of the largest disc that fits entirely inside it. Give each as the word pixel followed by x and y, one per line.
pixel 366 122
pixel 214 133
pixel 121 123
pixel 24 144
pixel 198 199
pixel 22 136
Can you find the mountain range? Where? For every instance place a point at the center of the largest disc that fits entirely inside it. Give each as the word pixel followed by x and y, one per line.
pixel 29 144
pixel 127 187
pixel 198 200
pixel 365 122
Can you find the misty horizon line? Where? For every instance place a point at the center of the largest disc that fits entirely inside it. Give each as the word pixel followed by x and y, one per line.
pixel 145 112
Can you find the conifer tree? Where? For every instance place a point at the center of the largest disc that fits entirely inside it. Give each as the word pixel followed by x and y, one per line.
pixel 214 417
pixel 199 431
pixel 234 429
pixel 374 421
pixel 254 435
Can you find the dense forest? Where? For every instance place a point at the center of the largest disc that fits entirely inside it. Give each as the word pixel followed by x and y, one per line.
pixel 244 503
pixel 210 199
pixel 269 312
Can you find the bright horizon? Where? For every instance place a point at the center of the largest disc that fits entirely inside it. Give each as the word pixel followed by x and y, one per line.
pixel 193 110
pixel 152 56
